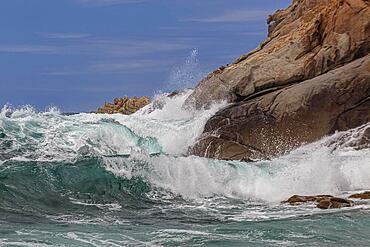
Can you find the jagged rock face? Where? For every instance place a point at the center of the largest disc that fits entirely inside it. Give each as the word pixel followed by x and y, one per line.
pixel 310 78
pixel 125 105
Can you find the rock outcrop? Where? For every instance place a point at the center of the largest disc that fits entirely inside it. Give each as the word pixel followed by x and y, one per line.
pixel 297 199
pixel 362 196
pixel 310 78
pixel 328 201
pixel 334 202
pixel 321 201
pixel 124 105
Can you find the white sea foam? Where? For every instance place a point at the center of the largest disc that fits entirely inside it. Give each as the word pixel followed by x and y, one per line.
pixel 270 181
pixel 312 169
pixel 174 127
pixel 52 136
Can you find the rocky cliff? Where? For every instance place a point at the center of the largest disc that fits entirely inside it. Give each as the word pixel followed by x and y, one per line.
pixel 308 79
pixel 125 105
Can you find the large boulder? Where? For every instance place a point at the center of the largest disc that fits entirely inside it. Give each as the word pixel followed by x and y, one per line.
pixel 310 78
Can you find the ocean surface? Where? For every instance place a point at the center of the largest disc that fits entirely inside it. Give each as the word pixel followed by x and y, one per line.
pixel 114 180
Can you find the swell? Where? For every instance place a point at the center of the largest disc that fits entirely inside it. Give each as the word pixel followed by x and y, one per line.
pixel 93 187
pixel 42 188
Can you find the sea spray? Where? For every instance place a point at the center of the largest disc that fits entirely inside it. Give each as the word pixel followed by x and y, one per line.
pixel 187 74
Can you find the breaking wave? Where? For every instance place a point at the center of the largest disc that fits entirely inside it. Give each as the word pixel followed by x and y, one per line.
pixel 115 170
pixel 152 145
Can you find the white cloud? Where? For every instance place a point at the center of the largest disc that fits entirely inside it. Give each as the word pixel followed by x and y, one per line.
pixel 235 16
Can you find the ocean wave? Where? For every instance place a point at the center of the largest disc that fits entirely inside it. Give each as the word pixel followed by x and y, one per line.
pixel 93 159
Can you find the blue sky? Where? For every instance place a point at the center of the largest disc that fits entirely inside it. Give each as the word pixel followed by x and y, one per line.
pixel 77 54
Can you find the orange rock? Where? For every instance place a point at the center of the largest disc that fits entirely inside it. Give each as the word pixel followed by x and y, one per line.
pixel 363 196
pixel 124 105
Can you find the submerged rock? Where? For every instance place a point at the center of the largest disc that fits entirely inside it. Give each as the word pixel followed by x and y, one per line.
pixel 334 202
pixel 322 201
pixel 296 199
pixel 310 78
pixel 125 105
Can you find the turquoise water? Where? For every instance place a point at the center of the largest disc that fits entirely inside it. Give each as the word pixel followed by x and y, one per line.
pixel 99 180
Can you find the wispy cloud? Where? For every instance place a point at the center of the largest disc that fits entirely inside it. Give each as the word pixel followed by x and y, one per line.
pixel 107 2
pixel 35 49
pixel 105 56
pixel 61 72
pixel 130 66
pixel 117 67
pixel 128 48
pixel 235 16
pixel 65 35
pixel 99 47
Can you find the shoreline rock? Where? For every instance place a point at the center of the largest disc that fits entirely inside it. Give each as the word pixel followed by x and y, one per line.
pixel 308 79
pixel 363 196
pixel 125 105
pixel 329 201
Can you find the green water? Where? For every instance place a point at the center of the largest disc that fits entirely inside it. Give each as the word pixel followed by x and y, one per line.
pixel 82 204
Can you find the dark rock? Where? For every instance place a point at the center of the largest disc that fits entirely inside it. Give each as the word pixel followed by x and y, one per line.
pixel 362 196
pixel 173 94
pixel 322 201
pixel 296 199
pixel 334 202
